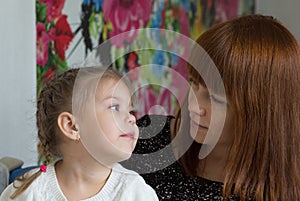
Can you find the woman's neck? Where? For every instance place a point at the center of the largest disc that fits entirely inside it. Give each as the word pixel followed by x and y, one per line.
pixel 214 164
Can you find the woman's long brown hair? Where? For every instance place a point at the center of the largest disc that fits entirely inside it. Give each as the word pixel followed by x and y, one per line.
pixel 258 60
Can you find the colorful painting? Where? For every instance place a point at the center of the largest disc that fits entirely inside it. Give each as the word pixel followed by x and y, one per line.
pixel 53 36
pixel 102 21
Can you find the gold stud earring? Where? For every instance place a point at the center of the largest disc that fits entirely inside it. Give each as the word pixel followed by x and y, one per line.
pixel 77 136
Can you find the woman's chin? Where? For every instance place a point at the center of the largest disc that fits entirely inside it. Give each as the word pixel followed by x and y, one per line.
pixel 197 134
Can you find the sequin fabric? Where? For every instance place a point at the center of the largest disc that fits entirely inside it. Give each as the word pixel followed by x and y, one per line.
pixel 169 181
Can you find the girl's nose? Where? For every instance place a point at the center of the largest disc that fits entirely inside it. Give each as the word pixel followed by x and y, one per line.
pixel 131 119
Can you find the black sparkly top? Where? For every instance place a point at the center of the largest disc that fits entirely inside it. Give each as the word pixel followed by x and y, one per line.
pixel 161 171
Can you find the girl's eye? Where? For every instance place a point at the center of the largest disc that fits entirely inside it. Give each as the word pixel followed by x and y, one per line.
pixel 115 107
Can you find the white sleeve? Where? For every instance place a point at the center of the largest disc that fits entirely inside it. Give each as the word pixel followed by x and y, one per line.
pixel 139 190
pixel 26 195
pixel 5 196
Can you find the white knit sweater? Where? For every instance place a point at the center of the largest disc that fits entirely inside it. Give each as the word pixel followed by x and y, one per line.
pixel 122 185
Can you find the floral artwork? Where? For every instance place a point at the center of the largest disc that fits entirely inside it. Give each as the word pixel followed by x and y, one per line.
pixel 126 16
pixel 103 20
pixel 53 36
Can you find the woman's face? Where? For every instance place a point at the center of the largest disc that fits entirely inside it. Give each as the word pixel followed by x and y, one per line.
pixel 200 113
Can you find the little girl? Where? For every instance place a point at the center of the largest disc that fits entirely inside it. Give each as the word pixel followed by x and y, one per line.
pixel 86 127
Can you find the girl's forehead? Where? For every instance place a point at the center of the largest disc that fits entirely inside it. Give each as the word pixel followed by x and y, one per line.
pixel 111 87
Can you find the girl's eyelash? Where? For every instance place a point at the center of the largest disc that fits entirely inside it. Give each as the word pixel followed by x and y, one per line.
pixel 115 107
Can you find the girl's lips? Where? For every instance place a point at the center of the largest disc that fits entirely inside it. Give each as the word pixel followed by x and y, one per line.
pixel 128 135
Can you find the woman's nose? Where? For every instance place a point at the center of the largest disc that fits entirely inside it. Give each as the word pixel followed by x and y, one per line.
pixel 202 112
pixel 197 110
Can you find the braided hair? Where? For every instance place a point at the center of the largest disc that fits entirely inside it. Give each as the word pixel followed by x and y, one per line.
pixel 55 98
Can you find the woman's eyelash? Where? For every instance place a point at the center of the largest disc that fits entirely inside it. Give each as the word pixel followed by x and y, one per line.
pixel 193 83
pixel 216 100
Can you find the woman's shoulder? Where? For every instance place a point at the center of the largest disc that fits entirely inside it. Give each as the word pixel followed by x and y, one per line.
pixel 155 133
pixel 153 150
pixel 172 183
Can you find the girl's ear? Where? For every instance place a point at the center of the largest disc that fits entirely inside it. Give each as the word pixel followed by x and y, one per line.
pixel 67 125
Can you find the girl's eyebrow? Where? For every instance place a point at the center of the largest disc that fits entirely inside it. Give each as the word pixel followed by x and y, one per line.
pixel 117 98
pixel 107 98
pixel 111 97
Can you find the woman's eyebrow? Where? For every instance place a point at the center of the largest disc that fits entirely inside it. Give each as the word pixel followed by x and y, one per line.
pixel 219 97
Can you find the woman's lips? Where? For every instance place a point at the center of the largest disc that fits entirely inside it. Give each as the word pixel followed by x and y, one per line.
pixel 193 123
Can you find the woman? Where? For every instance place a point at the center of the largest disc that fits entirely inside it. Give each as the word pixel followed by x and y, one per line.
pixel 257 155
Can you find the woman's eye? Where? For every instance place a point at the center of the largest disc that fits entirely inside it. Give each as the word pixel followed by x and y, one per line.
pixel 191 80
pixel 216 100
pixel 115 107
pixel 194 84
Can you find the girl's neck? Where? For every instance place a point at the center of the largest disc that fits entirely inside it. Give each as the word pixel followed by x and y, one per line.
pixel 78 179
pixel 83 171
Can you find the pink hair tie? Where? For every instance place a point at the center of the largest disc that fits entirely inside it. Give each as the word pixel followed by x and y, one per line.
pixel 43 168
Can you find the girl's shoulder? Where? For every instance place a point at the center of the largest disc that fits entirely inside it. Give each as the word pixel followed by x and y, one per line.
pixel 128 177
pixel 43 187
pixel 28 193
pixel 131 185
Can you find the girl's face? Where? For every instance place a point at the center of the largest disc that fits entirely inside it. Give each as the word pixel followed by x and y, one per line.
pixel 113 133
pixel 114 114
pixel 199 106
